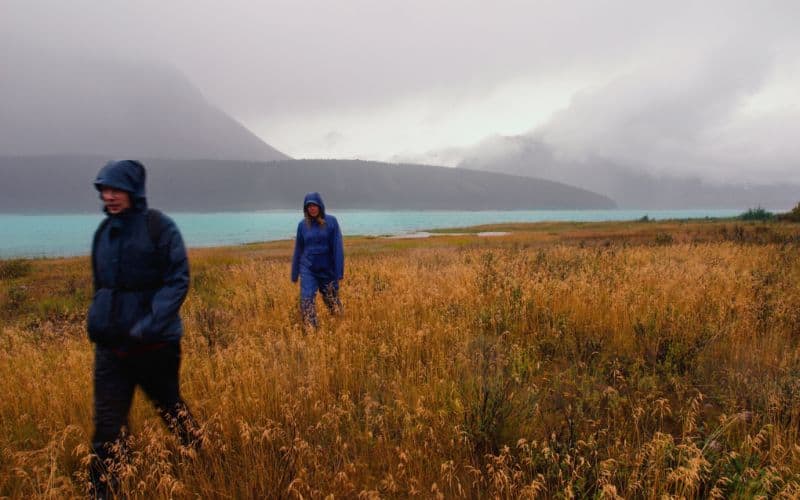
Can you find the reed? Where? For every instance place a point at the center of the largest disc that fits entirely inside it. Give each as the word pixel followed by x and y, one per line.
pixel 562 360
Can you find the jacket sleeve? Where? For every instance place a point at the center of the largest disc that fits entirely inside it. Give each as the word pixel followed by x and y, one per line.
pixel 168 299
pixel 338 251
pixel 298 252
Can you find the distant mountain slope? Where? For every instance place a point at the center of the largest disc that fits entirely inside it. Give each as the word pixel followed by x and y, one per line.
pixel 628 186
pixel 67 106
pixel 63 184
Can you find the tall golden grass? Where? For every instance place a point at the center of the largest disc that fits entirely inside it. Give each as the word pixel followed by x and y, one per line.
pixel 573 360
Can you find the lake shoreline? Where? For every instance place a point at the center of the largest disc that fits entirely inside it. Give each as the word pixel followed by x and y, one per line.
pixel 37 236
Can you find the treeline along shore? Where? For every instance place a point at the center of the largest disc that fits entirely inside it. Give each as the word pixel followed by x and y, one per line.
pixel 636 359
pixel 46 184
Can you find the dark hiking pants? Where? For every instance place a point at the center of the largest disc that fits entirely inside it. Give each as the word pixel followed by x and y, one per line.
pixel 116 376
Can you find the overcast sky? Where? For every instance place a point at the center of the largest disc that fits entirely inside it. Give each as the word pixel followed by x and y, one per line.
pixel 703 87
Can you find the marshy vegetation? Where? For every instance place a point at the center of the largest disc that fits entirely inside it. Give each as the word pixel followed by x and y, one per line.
pixel 564 360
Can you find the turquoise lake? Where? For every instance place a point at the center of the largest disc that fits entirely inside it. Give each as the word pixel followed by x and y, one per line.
pixel 68 235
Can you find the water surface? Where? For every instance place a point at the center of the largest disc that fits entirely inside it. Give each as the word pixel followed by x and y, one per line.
pixel 67 235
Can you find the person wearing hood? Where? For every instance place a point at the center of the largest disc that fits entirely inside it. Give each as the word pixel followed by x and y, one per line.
pixel 318 259
pixel 141 277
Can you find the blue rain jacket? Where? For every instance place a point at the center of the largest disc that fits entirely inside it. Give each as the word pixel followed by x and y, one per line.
pixel 139 283
pixel 318 249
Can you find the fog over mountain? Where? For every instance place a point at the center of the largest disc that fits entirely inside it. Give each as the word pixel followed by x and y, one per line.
pixel 63 118
pixel 671 104
pixel 653 139
pixel 629 186
pixel 54 102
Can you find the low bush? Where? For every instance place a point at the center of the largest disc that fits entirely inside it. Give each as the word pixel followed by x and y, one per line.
pixel 757 213
pixel 792 215
pixel 15 268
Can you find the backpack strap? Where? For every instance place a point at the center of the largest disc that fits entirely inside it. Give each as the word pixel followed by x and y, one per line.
pixel 96 238
pixel 155 224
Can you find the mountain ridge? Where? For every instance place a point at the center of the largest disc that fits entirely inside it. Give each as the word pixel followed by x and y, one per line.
pixel 629 186
pixel 39 184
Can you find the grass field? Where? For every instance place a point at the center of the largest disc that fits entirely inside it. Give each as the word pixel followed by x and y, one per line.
pixel 634 360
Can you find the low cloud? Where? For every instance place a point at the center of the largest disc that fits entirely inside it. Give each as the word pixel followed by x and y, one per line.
pixel 654 120
pixel 664 89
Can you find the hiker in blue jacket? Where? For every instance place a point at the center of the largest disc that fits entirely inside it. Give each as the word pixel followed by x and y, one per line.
pixel 141 276
pixel 318 259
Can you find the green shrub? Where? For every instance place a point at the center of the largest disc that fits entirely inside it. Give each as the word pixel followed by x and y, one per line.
pixel 496 391
pixel 17 296
pixel 757 213
pixel 792 216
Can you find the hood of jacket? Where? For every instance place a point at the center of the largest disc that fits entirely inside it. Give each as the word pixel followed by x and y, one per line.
pixel 316 199
pixel 127 175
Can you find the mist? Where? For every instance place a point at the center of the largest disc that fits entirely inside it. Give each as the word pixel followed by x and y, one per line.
pixel 681 91
pixel 713 122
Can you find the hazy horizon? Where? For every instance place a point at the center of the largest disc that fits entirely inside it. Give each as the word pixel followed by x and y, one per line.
pixel 704 90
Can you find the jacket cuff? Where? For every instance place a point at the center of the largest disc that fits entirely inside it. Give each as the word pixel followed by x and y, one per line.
pixel 139 330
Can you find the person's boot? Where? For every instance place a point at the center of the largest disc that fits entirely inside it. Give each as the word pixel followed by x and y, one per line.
pixel 308 314
pixel 186 428
pixel 102 483
pixel 332 301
